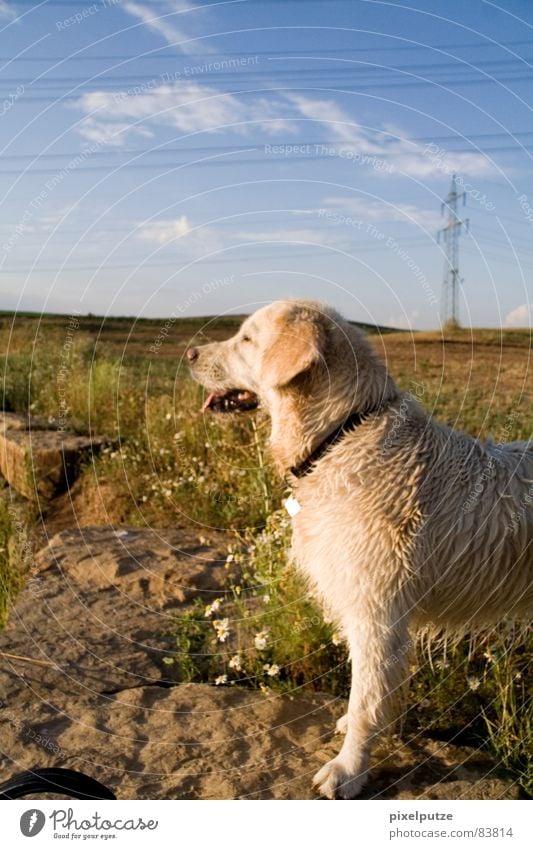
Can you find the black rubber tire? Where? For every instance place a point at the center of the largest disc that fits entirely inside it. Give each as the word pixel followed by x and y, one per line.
pixel 64 782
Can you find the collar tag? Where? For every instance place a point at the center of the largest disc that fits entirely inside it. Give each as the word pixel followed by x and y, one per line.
pixel 292 506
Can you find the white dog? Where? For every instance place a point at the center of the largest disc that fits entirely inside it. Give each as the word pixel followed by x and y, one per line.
pixel 398 521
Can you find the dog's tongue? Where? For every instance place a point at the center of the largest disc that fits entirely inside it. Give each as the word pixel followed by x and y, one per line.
pixel 230 401
pixel 210 398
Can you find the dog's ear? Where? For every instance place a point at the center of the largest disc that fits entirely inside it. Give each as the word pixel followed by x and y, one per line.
pixel 298 344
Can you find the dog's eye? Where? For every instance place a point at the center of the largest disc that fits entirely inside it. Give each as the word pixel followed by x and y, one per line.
pixel 246 338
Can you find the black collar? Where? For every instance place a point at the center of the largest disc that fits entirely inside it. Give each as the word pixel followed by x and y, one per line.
pixel 353 421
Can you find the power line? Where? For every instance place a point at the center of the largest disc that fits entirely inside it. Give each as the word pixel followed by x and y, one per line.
pixel 302 52
pixel 167 264
pixel 150 85
pixel 354 250
pixel 256 257
pixel 318 86
pixel 373 69
pixel 240 161
pixel 497 214
pixel 104 236
pixel 508 260
pixel 164 149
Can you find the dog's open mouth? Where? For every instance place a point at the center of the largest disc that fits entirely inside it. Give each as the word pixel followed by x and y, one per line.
pixel 231 401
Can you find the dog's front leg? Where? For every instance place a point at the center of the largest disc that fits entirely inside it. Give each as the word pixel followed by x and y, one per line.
pixel 378 652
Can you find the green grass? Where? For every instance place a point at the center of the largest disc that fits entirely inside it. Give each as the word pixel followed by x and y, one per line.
pixel 265 630
pixel 171 466
pixel 12 559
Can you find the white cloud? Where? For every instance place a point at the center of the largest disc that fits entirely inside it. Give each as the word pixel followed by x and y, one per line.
pixel 112 133
pixel 187 106
pixel 6 11
pixel 368 211
pixel 382 148
pixel 422 162
pixel 329 114
pixel 164 24
pixel 180 233
pixel 403 321
pixel 520 317
pixel 317 237
pixel 165 230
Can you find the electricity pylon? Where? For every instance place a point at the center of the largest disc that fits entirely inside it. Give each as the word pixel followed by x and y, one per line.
pixel 450 236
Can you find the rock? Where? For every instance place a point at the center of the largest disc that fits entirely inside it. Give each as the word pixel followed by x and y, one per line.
pixel 12 421
pixel 39 461
pixel 15 421
pixel 193 741
pixel 422 768
pixel 83 685
pixel 196 741
pixel 96 609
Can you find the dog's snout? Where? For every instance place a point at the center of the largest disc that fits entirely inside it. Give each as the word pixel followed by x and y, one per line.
pixel 192 354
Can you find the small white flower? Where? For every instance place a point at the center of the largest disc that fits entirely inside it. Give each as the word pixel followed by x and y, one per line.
pixel 490 655
pixel 271 669
pixel 221 626
pixel 168 416
pixel 221 679
pixel 336 640
pixel 261 639
pixel 264 689
pixel 235 663
pixel 230 558
pixel 266 599
pixel 473 683
pixel 212 608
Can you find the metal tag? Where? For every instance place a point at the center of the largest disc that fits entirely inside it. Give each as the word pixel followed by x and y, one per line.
pixel 292 506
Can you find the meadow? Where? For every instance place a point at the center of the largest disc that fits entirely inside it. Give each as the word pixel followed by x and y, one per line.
pixel 168 465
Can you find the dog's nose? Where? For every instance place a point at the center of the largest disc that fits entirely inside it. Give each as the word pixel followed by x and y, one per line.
pixel 191 354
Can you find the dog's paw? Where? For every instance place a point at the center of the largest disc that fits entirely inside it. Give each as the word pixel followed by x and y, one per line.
pixel 342 725
pixel 335 781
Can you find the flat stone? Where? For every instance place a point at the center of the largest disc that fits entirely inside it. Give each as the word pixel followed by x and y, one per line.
pixel 83 685
pixel 97 612
pixel 195 741
pixel 12 421
pixel 39 462
pixel 16 421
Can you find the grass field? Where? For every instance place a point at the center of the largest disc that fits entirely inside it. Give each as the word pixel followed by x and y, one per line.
pixel 172 466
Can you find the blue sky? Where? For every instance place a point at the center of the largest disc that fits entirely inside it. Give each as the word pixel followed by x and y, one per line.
pixel 169 158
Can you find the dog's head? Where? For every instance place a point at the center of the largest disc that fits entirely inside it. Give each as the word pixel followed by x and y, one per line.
pixel 292 349
pixel 274 348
